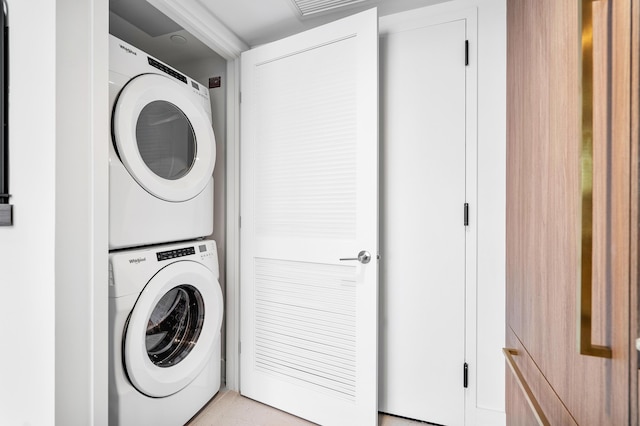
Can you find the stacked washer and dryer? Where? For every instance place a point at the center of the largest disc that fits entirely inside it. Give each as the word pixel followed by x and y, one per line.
pixel 165 302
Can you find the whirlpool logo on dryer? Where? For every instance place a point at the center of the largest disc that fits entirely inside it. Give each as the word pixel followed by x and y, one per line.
pixel 138 260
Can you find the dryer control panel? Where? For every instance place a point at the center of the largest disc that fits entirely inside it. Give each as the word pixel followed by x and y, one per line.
pixel 173 254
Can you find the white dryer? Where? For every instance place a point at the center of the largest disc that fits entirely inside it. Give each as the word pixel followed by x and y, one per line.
pixel 162 154
pixel 165 316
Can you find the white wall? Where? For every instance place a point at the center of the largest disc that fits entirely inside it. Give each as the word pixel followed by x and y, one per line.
pixel 53 361
pixel 27 306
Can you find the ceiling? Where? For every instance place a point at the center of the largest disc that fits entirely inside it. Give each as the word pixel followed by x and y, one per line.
pixel 253 21
pixel 258 22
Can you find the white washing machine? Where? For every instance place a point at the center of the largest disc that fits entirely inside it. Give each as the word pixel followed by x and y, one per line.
pixel 162 154
pixel 165 316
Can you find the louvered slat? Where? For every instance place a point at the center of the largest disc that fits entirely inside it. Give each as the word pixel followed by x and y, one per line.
pixel 305 175
pixel 305 324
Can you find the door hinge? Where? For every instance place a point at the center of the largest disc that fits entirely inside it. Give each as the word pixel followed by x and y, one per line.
pixel 466 53
pixel 239 347
pixel 239 221
pixel 466 214
pixel 465 375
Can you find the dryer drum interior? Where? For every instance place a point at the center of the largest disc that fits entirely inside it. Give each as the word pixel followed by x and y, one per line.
pixel 166 140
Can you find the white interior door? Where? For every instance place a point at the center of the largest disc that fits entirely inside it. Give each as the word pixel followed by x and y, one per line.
pixel 423 231
pixel 309 197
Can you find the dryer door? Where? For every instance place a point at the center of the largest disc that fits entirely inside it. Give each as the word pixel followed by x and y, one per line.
pixel 172 328
pixel 164 137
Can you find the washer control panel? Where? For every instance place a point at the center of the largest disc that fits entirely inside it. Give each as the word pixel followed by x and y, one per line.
pixel 206 252
pixel 205 249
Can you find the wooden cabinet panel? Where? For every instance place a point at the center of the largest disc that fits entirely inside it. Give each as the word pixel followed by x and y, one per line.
pixel 518 411
pixel 544 202
pixel 540 391
pixel 634 255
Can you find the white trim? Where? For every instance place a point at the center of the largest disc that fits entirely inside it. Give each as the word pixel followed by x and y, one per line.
pixel 198 20
pixel 81 211
pixel 232 303
pixel 471 296
pixel 99 204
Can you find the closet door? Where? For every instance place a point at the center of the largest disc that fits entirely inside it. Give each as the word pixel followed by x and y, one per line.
pixel 309 235
pixel 423 237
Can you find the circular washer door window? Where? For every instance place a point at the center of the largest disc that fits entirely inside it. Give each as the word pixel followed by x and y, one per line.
pixel 174 325
pixel 164 137
pixel 172 328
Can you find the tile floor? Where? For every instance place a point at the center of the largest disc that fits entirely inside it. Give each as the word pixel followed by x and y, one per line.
pixel 229 408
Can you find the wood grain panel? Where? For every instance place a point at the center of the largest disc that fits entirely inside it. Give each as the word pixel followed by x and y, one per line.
pixel 634 255
pixel 518 412
pixel 527 133
pixel 621 210
pixel 580 381
pixel 551 405
pixel 544 204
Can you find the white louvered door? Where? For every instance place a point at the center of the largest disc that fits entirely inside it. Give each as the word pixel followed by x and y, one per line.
pixel 309 196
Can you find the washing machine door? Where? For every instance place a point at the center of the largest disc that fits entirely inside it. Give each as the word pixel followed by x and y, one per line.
pixel 164 137
pixel 172 328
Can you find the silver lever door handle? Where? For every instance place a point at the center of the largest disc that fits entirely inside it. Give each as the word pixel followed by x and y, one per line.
pixel 363 257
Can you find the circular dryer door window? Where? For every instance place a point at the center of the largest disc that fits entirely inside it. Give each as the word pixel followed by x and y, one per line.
pixel 166 141
pixel 172 328
pixel 164 137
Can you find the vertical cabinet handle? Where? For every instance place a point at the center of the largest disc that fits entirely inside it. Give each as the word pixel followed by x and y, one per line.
pixel 526 390
pixel 6 209
pixel 585 344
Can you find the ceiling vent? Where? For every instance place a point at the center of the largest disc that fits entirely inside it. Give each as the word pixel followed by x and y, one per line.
pixel 311 7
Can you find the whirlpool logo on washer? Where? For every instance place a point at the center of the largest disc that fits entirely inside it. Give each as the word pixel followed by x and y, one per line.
pixel 138 260
pixel 126 49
